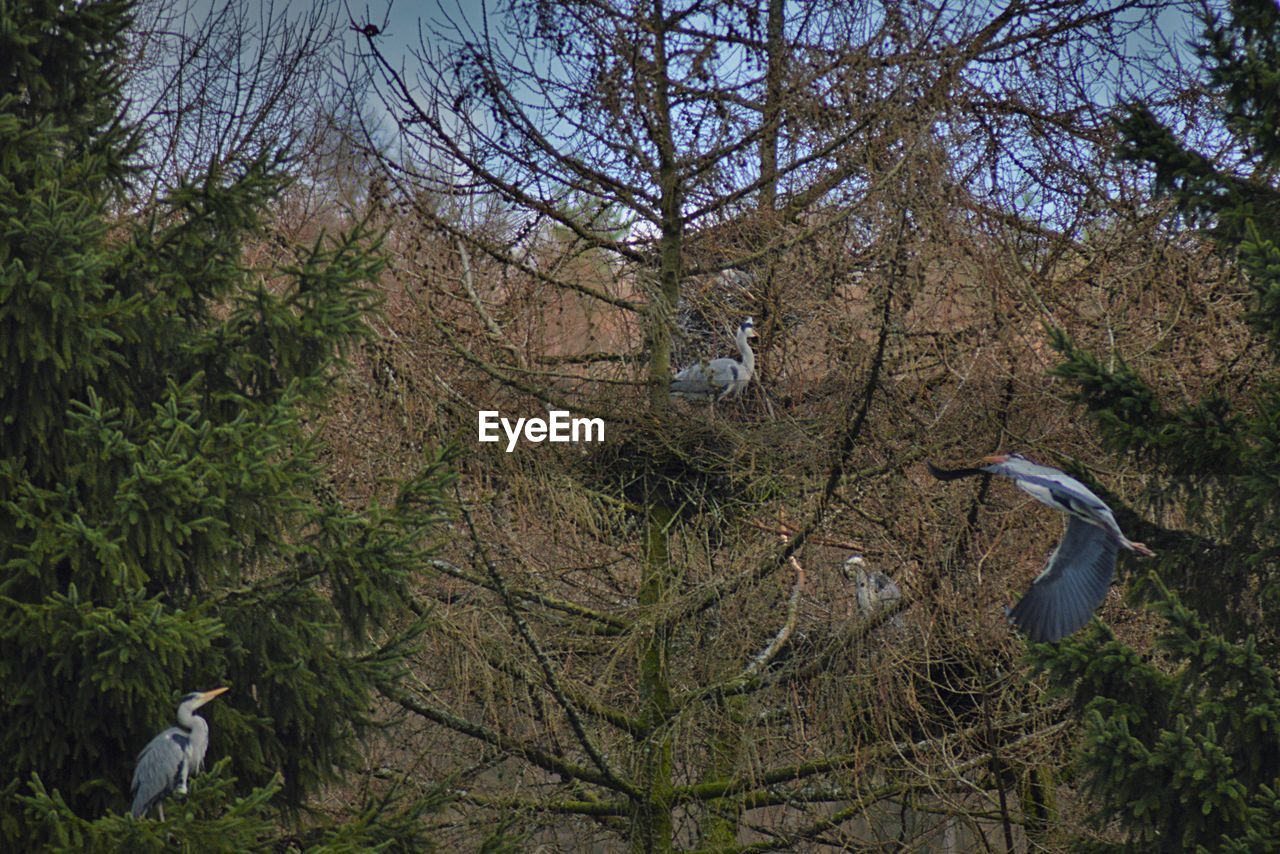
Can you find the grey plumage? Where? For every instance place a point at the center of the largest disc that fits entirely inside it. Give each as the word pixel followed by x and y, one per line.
pixel 1071 587
pixel 1074 583
pixel 872 588
pixel 719 378
pixel 169 759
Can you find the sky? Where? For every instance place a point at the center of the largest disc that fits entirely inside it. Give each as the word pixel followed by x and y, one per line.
pixel 400 20
pixel 405 23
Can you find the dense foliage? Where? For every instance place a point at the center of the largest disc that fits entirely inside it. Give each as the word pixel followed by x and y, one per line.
pixel 1183 747
pixel 164 523
pixel 211 465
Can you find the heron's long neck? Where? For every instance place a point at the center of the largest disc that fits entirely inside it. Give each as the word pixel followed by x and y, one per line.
pixel 862 590
pixel 195 749
pixel 188 719
pixel 744 347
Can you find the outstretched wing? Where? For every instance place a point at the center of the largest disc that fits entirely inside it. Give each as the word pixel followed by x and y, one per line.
pixel 1071 587
pixel 158 770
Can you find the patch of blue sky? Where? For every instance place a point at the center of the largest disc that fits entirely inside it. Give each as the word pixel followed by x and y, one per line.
pixel 1134 55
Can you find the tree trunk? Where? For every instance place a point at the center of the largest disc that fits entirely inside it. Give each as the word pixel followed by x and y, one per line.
pixel 777 52
pixel 652 824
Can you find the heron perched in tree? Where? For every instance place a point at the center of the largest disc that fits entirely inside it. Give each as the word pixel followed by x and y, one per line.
pixel 872 588
pixel 719 378
pixel 1073 584
pixel 172 756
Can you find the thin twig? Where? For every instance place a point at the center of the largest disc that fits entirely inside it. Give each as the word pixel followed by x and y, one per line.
pixel 544 661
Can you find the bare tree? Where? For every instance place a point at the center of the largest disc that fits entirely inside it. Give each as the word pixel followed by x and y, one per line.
pixel 627 640
pixel 215 84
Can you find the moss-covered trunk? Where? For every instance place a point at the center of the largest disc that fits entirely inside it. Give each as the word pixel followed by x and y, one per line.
pixel 652 820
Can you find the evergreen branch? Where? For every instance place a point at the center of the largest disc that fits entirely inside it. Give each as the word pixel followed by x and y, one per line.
pixel 1199 440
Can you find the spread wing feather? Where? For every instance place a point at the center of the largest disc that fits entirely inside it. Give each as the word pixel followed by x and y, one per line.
pixel 1072 585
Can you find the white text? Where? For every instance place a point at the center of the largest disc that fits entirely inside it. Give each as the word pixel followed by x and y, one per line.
pixel 558 426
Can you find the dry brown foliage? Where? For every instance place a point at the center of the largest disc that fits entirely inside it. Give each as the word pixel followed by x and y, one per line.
pixel 909 712
pixel 902 318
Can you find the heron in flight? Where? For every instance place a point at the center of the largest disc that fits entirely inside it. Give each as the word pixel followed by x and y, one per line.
pixel 172 756
pixel 1073 584
pixel 719 378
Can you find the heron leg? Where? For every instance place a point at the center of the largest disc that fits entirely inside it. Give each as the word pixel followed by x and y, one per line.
pixel 160 809
pixel 1140 548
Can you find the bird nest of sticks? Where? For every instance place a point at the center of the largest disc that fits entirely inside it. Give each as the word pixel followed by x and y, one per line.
pixel 695 463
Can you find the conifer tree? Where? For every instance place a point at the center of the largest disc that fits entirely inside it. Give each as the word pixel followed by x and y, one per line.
pixel 164 520
pixel 1183 749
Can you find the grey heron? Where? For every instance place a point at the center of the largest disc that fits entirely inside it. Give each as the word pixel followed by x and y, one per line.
pixel 872 588
pixel 1074 582
pixel 719 378
pixel 172 756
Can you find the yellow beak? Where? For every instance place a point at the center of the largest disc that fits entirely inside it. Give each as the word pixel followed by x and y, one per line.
pixel 209 695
